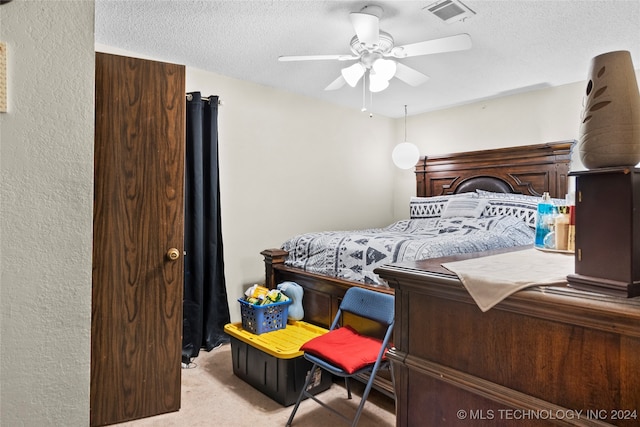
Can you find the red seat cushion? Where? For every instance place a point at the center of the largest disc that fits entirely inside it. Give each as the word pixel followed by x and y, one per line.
pixel 345 348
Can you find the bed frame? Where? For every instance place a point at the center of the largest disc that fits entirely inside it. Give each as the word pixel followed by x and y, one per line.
pixel 531 170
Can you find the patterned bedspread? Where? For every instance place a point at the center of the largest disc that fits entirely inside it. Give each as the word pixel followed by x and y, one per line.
pixel 353 255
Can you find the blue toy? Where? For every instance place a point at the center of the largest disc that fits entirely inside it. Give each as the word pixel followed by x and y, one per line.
pixel 294 292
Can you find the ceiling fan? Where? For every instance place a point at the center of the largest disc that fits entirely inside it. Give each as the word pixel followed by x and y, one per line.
pixel 376 53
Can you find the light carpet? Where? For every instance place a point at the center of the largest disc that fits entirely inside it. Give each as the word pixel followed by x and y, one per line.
pixel 213 396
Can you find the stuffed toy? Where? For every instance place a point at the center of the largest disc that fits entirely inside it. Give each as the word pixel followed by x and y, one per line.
pixel 294 292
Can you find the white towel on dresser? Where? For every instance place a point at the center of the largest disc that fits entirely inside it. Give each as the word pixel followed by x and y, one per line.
pixel 491 279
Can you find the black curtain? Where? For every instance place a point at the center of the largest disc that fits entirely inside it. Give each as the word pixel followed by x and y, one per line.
pixel 206 309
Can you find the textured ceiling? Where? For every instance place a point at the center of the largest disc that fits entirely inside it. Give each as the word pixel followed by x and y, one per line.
pixel 517 45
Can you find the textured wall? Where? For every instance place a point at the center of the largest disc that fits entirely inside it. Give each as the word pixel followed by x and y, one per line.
pixel 46 203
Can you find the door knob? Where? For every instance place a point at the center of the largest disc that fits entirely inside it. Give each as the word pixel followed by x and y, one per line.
pixel 173 254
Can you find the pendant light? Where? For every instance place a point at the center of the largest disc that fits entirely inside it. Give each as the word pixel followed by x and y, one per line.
pixel 405 155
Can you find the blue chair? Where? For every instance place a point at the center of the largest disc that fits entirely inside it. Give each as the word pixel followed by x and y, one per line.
pixel 346 353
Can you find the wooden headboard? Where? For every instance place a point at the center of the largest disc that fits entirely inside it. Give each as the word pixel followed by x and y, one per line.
pixel 530 169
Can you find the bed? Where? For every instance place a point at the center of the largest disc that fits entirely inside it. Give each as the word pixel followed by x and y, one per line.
pixel 464 225
pixel 512 179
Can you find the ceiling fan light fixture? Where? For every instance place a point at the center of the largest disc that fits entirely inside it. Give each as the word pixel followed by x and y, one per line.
pixel 385 68
pixel 353 73
pixel 377 83
pixel 371 47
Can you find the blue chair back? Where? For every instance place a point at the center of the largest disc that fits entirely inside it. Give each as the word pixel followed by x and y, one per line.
pixel 368 304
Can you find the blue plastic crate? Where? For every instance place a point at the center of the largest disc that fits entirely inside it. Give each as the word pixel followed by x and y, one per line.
pixel 259 319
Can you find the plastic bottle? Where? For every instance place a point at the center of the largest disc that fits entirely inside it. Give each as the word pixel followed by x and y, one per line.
pixel 561 228
pixel 544 221
pixel 571 238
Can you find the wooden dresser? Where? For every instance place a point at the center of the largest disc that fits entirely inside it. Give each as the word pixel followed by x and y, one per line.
pixel 543 356
pixel 607 232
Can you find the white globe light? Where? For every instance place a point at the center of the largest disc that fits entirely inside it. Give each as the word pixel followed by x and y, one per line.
pixel 405 155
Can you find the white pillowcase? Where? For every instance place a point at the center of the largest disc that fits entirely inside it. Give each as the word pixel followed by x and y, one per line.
pixel 518 197
pixel 432 207
pixel 464 207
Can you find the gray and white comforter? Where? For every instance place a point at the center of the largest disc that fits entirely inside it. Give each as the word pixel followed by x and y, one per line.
pixel 353 255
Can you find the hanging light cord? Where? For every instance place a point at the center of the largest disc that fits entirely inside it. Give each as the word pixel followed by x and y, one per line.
pixel 405 123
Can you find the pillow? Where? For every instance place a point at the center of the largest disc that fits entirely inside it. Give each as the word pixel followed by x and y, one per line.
pixel 345 348
pixel 432 207
pixel 515 196
pixel 521 206
pixel 465 207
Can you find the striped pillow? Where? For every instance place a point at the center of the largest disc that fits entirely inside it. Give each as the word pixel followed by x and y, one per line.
pixel 433 206
pixel 521 206
pixel 465 207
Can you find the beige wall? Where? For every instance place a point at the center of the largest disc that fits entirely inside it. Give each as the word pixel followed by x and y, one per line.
pixel 536 117
pixel 290 164
pixel 547 115
pixel 46 161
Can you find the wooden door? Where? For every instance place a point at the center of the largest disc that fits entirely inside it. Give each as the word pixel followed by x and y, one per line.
pixel 136 324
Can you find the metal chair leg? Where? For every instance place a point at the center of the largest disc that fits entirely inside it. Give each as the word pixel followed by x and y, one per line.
pixel 347 385
pixel 365 395
pixel 303 393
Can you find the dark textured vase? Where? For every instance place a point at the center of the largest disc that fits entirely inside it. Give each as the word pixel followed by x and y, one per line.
pixel 610 128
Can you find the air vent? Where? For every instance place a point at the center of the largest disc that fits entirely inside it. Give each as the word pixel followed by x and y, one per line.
pixel 450 10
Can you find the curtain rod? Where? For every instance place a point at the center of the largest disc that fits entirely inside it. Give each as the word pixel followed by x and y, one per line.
pixel 204 98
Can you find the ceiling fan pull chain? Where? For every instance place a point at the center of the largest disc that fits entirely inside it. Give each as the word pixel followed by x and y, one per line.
pixel 364 92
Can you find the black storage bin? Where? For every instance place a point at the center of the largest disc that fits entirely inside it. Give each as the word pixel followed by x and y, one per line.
pixel 272 362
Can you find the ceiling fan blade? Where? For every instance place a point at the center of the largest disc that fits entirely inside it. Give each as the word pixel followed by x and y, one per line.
pixel 445 44
pixel 366 26
pixel 336 84
pixel 409 75
pixel 317 58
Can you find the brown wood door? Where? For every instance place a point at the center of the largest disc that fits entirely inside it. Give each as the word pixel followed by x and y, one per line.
pixel 136 324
